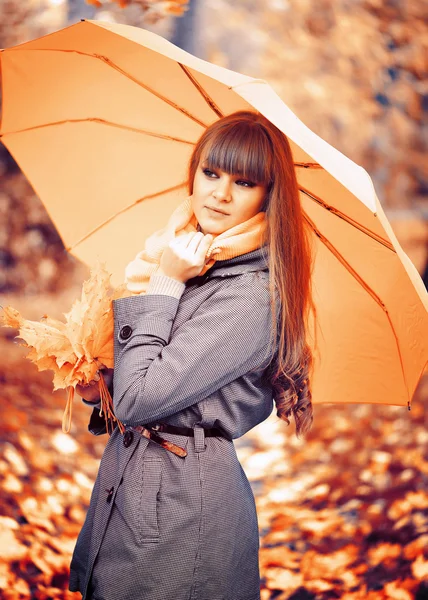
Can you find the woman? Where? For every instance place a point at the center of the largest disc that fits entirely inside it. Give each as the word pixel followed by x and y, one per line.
pixel 205 355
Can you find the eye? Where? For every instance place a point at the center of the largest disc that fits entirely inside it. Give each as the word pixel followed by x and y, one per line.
pixel 209 173
pixel 245 183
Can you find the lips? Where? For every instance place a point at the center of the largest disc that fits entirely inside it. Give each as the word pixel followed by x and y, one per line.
pixel 217 210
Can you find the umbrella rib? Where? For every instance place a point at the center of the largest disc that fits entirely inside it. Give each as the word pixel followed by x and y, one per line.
pixel 337 213
pixel 113 65
pixel 361 281
pixel 102 122
pixel 309 165
pixel 174 105
pixel 123 210
pixel 203 93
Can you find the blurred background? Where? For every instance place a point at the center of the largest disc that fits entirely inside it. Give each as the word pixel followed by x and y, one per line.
pixel 343 514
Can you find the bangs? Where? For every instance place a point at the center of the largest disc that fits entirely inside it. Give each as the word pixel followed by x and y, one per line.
pixel 241 149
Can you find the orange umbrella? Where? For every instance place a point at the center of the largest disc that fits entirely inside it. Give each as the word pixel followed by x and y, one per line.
pixel 102 119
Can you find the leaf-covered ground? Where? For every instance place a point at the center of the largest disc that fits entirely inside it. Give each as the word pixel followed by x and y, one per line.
pixel 343 514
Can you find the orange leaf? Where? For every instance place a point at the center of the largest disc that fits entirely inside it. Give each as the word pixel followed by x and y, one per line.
pixel 11 317
pixel 75 350
pixel 397 593
pixel 420 568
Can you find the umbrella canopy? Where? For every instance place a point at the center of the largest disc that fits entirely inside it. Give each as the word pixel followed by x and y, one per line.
pixel 102 119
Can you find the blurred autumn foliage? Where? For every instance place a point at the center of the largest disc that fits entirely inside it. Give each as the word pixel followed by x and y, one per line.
pixel 165 7
pixel 343 514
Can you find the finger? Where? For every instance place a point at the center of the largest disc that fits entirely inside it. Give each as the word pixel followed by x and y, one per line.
pixel 87 385
pixel 178 239
pixel 204 245
pixel 181 240
pixel 195 241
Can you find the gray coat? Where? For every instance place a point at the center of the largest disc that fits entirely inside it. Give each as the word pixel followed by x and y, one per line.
pixel 159 526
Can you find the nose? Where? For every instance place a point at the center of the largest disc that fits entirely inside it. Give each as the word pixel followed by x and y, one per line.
pixel 223 190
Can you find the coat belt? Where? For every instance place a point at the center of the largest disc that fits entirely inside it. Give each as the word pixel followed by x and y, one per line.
pixel 188 431
pixel 150 431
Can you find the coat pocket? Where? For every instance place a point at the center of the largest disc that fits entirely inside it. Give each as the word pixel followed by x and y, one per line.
pixel 148 521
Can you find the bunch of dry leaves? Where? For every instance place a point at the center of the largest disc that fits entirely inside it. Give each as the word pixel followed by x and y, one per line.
pixel 79 348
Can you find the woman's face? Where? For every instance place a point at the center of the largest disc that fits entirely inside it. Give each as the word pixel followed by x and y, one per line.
pixel 221 201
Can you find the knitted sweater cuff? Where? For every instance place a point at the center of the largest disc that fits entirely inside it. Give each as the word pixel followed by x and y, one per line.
pixel 165 286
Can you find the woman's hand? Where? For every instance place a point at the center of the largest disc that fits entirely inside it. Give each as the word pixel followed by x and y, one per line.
pixel 90 391
pixel 184 257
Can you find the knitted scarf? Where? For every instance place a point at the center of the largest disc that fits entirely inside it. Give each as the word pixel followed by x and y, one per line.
pixel 240 239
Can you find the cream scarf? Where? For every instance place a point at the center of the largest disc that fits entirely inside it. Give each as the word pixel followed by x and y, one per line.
pixel 242 238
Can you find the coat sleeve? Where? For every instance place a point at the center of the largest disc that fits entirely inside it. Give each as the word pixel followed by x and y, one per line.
pixel 157 375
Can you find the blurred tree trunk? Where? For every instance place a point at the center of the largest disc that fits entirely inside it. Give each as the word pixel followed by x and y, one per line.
pixel 7 162
pixel 187 30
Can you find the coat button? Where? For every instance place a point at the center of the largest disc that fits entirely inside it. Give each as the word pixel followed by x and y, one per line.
pixel 126 332
pixel 110 493
pixel 128 436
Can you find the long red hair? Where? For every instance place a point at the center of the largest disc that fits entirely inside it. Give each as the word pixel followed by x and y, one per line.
pixel 245 143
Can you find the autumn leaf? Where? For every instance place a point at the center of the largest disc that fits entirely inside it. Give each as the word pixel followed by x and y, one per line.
pixel 420 568
pixel 11 317
pixel 78 348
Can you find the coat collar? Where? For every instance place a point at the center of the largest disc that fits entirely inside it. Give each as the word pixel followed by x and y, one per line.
pixel 245 263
